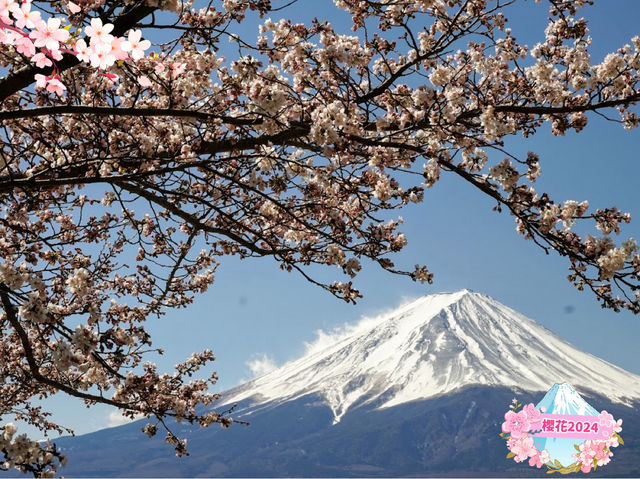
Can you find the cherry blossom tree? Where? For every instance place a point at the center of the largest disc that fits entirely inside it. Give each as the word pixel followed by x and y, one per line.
pixel 129 170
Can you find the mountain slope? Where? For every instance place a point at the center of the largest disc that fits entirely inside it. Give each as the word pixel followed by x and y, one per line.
pixel 451 435
pixel 434 345
pixel 416 392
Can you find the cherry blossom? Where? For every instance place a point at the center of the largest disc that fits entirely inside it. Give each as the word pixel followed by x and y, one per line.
pixel 534 417
pixel 49 34
pixel 117 45
pixel 177 69
pixel 83 52
pixel 54 85
pixel 144 81
pixel 516 424
pixel 41 80
pixel 102 56
pixel 134 45
pixel 606 420
pixel 24 45
pixel 618 426
pixel 7 6
pixel 73 8
pixel 523 448
pixel 25 17
pixel 98 32
pixel 539 459
pixel 41 60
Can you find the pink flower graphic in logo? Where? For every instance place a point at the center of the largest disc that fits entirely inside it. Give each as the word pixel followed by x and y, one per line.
pixel 515 423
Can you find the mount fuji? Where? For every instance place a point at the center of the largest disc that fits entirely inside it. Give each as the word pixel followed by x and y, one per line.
pixel 415 392
pixel 432 346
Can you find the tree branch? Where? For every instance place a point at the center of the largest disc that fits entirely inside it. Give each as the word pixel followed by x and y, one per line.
pixel 191 219
pixel 34 369
pixel 282 138
pixel 553 110
pixel 119 111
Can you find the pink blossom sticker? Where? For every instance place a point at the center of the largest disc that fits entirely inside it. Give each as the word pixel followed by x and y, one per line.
pixel 585 440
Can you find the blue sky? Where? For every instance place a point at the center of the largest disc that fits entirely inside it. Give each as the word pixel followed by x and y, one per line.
pixel 256 312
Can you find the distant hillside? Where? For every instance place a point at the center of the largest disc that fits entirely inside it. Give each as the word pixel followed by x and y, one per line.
pixel 421 391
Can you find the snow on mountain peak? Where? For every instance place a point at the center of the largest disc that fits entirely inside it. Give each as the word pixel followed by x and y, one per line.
pixel 431 346
pixel 563 399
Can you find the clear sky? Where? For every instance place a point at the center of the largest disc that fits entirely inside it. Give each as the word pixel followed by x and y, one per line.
pixel 257 313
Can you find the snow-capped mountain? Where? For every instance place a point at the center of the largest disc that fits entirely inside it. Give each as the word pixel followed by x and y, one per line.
pixel 432 346
pixel 416 392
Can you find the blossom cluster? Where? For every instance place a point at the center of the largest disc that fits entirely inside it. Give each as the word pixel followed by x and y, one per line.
pixel 517 428
pixel 594 453
pixel 20 452
pixel 46 42
pixel 299 147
